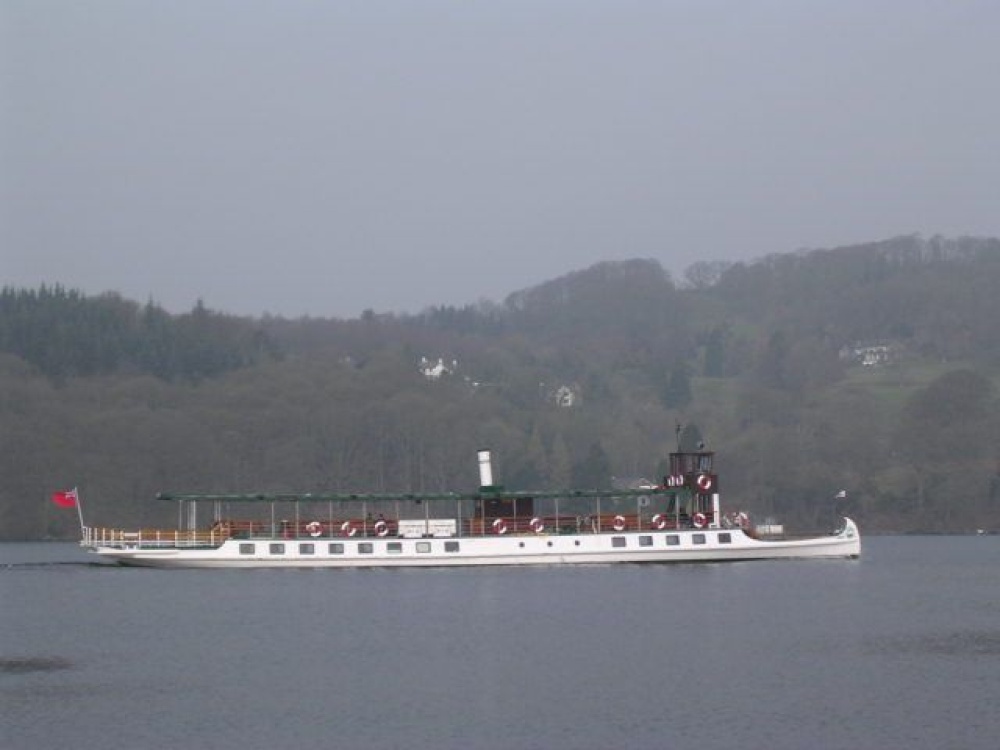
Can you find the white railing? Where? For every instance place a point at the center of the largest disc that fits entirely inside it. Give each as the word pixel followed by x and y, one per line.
pixel 94 537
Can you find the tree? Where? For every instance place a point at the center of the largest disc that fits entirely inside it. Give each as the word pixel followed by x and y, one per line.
pixel 677 393
pixel 715 357
pixel 594 471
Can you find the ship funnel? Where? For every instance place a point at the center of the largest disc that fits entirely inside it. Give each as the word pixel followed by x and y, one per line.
pixel 485 469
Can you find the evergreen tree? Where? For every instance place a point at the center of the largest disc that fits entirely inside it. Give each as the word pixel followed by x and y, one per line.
pixel 677 393
pixel 594 471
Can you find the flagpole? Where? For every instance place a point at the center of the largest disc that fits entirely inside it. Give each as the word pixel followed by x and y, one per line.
pixel 79 512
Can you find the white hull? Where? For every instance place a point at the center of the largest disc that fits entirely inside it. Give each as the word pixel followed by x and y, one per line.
pixel 706 545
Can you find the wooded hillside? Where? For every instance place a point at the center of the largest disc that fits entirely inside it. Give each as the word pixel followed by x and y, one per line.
pixel 871 369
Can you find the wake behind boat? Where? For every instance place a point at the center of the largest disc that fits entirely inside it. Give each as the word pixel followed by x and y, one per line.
pixel 679 520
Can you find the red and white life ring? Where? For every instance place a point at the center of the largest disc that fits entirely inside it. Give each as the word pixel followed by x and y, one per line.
pixel 381 528
pixel 704 482
pixel 315 528
pixel 537 525
pixel 699 520
pixel 659 521
pixel 500 526
pixel 348 529
pixel 619 524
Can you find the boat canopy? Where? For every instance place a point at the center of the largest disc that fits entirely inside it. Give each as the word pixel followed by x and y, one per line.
pixel 389 497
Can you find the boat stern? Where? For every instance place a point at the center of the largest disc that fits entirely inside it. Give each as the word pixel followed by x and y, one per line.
pixel 852 537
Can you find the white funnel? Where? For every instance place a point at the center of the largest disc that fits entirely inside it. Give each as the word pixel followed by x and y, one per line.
pixel 485 469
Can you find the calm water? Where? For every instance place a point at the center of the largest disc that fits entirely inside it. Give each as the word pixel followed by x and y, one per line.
pixel 898 650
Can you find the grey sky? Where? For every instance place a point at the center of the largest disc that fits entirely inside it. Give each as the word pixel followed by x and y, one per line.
pixel 306 157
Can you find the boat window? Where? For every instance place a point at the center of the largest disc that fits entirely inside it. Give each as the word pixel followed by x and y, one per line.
pixel 366 548
pixel 247 548
pixel 423 547
pixel 725 538
pixel 645 541
pixel 307 548
pixel 618 541
pixel 698 538
pixel 673 540
pixel 277 548
pixel 394 547
pixel 451 546
pixel 337 548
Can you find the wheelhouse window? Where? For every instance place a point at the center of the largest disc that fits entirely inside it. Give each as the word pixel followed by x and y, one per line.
pixel 247 548
pixel 277 548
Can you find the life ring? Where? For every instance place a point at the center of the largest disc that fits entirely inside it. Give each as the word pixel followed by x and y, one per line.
pixel 315 528
pixel 500 526
pixel 537 525
pixel 699 520
pixel 659 521
pixel 381 528
pixel 348 529
pixel 704 482
pixel 619 523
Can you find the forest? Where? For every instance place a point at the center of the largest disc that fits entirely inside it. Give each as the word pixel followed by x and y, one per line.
pixel 870 369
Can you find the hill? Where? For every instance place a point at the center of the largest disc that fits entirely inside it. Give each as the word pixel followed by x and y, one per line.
pixel 870 368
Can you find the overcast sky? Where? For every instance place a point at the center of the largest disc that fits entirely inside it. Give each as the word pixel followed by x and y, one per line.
pixel 309 157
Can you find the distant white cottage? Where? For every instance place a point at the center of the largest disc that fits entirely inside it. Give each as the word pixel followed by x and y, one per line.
pixel 436 370
pixel 566 396
pixel 872 355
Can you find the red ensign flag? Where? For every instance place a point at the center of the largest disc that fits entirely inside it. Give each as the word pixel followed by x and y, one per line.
pixel 65 499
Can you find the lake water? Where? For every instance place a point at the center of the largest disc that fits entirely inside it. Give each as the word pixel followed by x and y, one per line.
pixel 900 649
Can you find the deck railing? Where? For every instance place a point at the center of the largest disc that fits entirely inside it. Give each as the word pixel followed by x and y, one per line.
pixel 605 523
pixel 150 538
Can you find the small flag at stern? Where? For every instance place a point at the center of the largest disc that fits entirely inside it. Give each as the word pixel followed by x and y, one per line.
pixel 65 498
